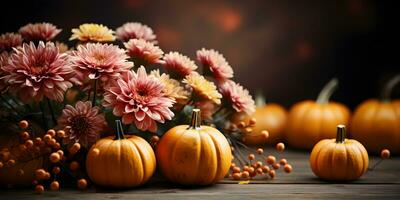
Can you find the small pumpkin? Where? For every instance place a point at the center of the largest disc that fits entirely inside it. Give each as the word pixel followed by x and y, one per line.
pixel 194 154
pixel 120 161
pixel 310 121
pixel 339 159
pixel 271 117
pixel 376 123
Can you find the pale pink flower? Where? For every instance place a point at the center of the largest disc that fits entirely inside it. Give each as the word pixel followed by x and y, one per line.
pixel 99 61
pixel 139 99
pixel 140 49
pixel 236 96
pixel 178 65
pixel 215 63
pixel 34 72
pixel 9 40
pixel 134 30
pixel 39 32
pixel 82 123
pixel 3 62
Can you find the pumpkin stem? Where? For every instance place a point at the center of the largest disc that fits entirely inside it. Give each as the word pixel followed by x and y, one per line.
pixel 327 91
pixel 260 99
pixel 388 88
pixel 341 133
pixel 119 135
pixel 196 119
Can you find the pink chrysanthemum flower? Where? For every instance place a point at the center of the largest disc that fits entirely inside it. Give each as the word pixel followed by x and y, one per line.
pixel 3 62
pixel 178 65
pixel 215 63
pixel 9 40
pixel 139 99
pixel 142 50
pixel 236 96
pixel 34 72
pixel 134 30
pixel 39 31
pixel 82 123
pixel 99 61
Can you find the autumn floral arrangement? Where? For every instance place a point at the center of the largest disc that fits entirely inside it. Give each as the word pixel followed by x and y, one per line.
pixel 57 101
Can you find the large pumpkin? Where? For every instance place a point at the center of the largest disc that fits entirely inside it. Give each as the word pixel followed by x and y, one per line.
pixel 310 121
pixel 120 161
pixel 194 154
pixel 339 159
pixel 271 117
pixel 376 123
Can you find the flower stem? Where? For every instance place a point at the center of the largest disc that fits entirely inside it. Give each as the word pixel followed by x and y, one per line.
pixel 327 91
pixel 94 92
pixel 387 90
pixel 51 112
pixel 10 105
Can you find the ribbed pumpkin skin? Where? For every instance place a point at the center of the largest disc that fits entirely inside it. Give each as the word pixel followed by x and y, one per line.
pixel 377 125
pixel 192 156
pixel 339 161
pixel 121 163
pixel 310 122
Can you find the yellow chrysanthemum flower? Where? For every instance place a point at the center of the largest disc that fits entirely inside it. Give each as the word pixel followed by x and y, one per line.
pixel 203 88
pixel 92 33
pixel 172 88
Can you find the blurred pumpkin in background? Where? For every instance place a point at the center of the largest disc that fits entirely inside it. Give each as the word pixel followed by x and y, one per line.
pixel 339 159
pixel 271 117
pixel 376 123
pixel 120 161
pixel 311 121
pixel 194 154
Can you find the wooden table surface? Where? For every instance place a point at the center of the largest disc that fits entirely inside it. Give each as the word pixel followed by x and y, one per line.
pixel 382 183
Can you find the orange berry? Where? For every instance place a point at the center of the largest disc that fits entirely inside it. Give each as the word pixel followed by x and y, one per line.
pixel 54 185
pixel 154 139
pixel 11 162
pixel 236 170
pixel 245 174
pixel 260 151
pixel 75 148
pixel 232 149
pixel 259 171
pixel 29 144
pixel 251 156
pixel 47 138
pixel 39 189
pixel 252 121
pixel 236 176
pixel 232 166
pixel 271 160
pixel 74 166
pixel 283 161
pixel 5 155
pixel 265 168
pixel 47 176
pixel 57 146
pixel 253 174
pixel 288 168
pixel 52 142
pixel 61 152
pixel 82 184
pixel 251 170
pixel 55 157
pixel 246 168
pixel 280 146
pixel 385 153
pixel 258 164
pixel 24 135
pixel 38 141
pixel 265 133
pixel 272 173
pixel 56 170
pixel 20 172
pixel 248 130
pixel 51 132
pixel 1 165
pixel 22 147
pixel 40 174
pixel 23 124
pixel 276 166
pixel 61 133
pixel 241 124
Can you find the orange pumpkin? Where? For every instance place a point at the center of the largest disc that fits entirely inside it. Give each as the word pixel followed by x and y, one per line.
pixel 120 161
pixel 271 117
pixel 376 123
pixel 194 155
pixel 311 121
pixel 339 159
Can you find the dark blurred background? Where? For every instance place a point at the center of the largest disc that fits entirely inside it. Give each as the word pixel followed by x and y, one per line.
pixel 288 49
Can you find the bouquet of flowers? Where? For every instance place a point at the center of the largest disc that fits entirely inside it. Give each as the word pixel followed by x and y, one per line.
pixel 59 101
